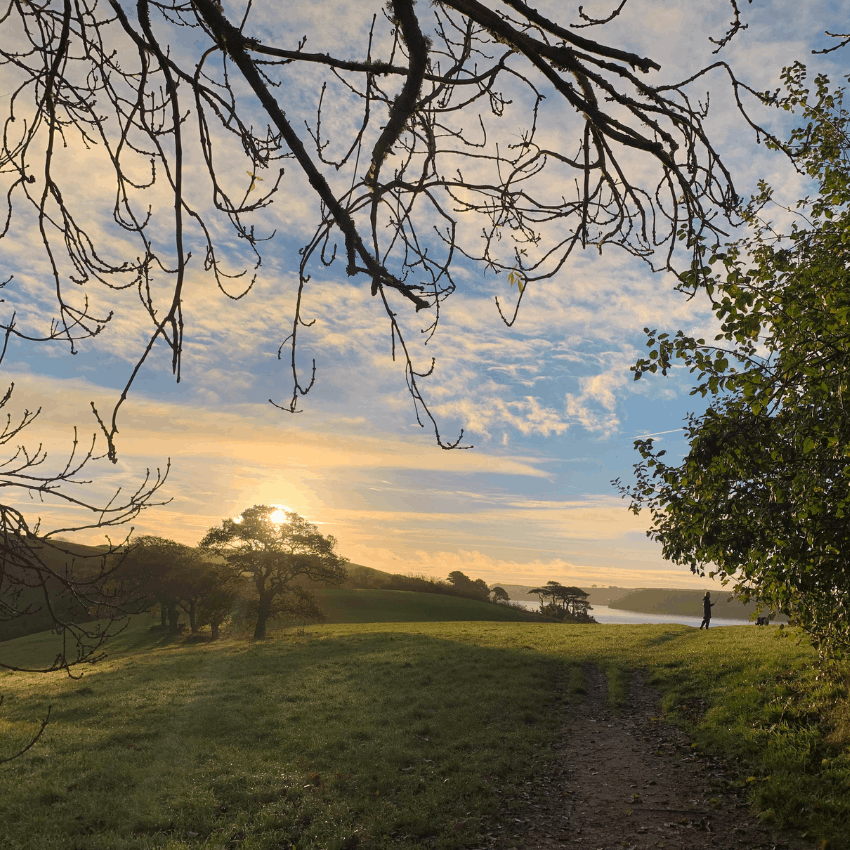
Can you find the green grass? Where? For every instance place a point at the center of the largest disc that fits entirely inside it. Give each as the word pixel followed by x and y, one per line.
pixel 386 735
pixel 342 605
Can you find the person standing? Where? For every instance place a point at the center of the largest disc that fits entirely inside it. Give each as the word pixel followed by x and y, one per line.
pixel 707 605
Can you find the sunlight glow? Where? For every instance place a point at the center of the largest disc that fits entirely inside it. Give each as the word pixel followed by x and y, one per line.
pixel 278 516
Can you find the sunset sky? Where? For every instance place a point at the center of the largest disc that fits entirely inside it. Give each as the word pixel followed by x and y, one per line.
pixel 549 405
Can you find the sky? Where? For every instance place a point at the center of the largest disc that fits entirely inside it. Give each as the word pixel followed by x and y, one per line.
pixel 549 405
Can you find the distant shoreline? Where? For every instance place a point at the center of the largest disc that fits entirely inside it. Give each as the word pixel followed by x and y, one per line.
pixel 657 601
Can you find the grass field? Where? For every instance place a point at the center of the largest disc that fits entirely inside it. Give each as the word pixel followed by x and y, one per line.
pixel 386 735
pixel 341 605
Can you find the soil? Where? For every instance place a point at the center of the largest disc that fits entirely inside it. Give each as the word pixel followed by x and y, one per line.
pixel 630 781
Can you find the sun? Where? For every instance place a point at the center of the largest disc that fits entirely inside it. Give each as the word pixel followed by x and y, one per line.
pixel 278 516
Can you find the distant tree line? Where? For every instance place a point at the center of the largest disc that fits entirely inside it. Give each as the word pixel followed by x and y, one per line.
pixel 567 604
pixel 249 569
pixel 264 564
pixel 457 583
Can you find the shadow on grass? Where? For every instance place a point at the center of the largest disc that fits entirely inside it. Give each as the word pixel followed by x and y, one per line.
pixel 395 737
pixel 384 735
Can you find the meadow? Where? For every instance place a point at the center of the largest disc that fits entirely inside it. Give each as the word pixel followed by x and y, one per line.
pixel 374 735
pixel 345 605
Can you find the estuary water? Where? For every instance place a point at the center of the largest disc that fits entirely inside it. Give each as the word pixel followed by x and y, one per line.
pixel 604 614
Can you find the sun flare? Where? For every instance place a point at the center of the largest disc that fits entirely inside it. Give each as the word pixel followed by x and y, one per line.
pixel 278 516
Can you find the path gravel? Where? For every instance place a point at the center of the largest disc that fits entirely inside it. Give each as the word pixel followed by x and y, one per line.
pixel 630 781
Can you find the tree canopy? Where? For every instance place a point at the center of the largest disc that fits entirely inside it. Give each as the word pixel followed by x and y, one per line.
pixel 500 594
pixel 280 557
pixel 465 586
pixel 177 577
pixel 564 602
pixel 762 497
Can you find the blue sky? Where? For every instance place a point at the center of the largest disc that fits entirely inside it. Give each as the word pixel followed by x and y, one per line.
pixel 549 405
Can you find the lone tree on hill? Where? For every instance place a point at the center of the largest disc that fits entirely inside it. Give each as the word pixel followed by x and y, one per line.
pixel 278 552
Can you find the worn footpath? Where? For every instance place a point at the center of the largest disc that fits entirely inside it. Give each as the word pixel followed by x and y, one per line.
pixel 629 781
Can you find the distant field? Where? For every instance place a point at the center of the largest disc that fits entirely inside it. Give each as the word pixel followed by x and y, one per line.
pixel 399 606
pixel 394 735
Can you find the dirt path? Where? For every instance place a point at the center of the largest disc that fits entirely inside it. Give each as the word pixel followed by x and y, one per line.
pixel 630 782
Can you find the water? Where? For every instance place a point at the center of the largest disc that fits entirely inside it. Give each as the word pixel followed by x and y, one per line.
pixel 604 614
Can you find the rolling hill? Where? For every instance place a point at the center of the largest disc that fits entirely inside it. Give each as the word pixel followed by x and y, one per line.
pixel 20 588
pixel 346 605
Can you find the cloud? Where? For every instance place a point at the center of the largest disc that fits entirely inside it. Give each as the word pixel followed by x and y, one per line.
pixel 439 564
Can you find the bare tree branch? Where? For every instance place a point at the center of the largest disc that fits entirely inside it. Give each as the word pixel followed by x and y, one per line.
pixel 427 156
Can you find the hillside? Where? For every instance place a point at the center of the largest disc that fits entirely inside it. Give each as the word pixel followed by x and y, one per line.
pixel 658 600
pixel 345 605
pixel 362 599
pixel 365 577
pixel 82 559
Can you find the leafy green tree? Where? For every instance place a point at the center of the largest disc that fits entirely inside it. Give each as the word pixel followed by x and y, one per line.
pixel 204 590
pixel 553 591
pixel 500 594
pixel 218 596
pixel 465 586
pixel 154 571
pixel 575 602
pixel 177 578
pixel 278 558
pixel 541 592
pixel 762 497
pixel 565 603
pixel 480 589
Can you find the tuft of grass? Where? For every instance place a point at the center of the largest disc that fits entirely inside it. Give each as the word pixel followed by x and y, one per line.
pixel 576 682
pixel 618 686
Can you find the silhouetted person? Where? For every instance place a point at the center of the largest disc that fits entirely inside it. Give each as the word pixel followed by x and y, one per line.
pixel 707 605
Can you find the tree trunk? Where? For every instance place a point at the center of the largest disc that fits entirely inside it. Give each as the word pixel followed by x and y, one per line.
pixel 173 617
pixel 214 629
pixel 193 627
pixel 163 614
pixel 262 617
